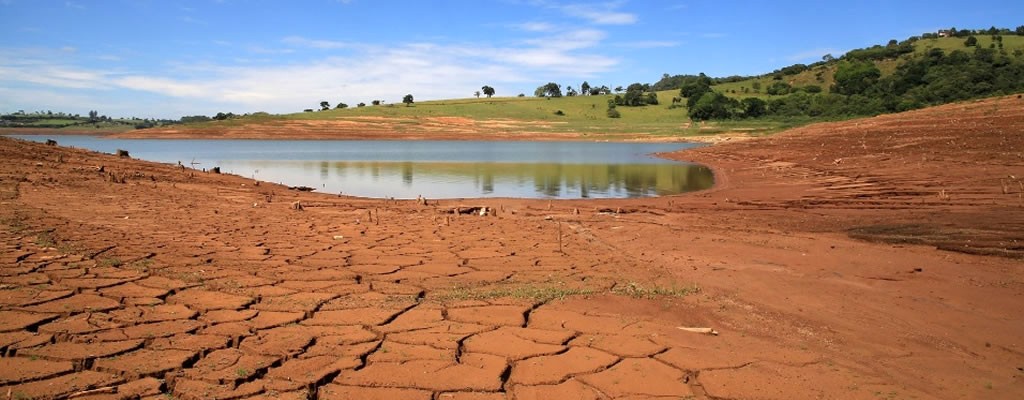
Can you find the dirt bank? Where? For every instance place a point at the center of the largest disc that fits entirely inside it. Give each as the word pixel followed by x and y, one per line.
pixel 877 258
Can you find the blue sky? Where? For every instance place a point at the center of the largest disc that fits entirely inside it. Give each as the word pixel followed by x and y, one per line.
pixel 164 58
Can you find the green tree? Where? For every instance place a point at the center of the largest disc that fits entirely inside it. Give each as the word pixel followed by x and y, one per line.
pixel 855 77
pixel 713 105
pixel 324 106
pixel 754 107
pixel 488 91
pixel 340 106
pixel 694 88
pixel 779 88
pixel 477 94
pixel 585 88
pixel 549 89
pixel 634 95
pixel 971 41
pixel 407 100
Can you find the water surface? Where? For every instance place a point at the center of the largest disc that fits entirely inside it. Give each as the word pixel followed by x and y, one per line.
pixel 433 169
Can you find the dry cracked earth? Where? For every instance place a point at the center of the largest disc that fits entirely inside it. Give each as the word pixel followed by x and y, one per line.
pixel 178 284
pixel 822 255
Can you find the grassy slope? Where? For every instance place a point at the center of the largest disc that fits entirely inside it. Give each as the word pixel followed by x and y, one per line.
pixel 586 114
pixel 822 75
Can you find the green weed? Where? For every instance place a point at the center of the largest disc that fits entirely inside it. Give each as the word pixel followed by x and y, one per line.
pixel 639 291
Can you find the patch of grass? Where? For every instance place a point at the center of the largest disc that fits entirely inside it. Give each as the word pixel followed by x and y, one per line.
pixel 110 262
pixel 639 291
pixel 544 294
pixel 242 372
pixel 541 294
pixel 45 239
pixel 14 226
pixel 141 265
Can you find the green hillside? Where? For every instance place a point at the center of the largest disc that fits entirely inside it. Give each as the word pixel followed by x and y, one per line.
pixel 583 115
pixel 895 77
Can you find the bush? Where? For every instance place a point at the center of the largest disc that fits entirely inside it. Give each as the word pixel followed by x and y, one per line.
pixel 779 88
pixel 559 113
pixel 614 113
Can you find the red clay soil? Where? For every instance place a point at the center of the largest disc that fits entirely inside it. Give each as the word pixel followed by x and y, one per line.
pixel 876 258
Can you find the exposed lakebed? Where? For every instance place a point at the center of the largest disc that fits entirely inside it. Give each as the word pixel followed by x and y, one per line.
pixel 433 169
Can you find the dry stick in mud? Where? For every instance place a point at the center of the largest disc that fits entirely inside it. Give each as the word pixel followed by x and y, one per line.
pixel 560 238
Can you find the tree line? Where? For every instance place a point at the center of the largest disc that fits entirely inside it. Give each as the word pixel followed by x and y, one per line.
pixel 932 78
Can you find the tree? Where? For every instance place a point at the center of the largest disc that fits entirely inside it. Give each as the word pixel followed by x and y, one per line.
pixel 779 88
pixel 618 89
pixel 477 94
pixel 361 104
pixel 569 91
pixel 488 91
pixel 754 107
pixel 634 95
pixel 971 41
pixel 341 106
pixel 713 105
pixel 407 100
pixel 324 106
pixel 696 87
pixel 855 77
pixel 375 102
pixel 550 89
pixel 585 88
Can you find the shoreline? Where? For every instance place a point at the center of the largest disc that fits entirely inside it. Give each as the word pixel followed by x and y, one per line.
pixel 867 256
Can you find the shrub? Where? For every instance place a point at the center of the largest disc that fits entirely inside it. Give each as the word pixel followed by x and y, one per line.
pixel 614 113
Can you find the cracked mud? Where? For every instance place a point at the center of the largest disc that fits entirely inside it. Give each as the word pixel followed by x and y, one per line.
pixel 209 287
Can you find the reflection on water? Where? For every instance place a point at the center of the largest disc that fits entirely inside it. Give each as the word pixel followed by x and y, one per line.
pixel 433 169
pixel 480 179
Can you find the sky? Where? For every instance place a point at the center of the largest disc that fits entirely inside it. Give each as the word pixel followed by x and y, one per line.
pixel 167 59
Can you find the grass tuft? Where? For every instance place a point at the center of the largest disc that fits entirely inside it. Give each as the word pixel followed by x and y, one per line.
pixel 638 291
pixel 541 294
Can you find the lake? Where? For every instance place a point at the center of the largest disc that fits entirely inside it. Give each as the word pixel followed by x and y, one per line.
pixel 433 169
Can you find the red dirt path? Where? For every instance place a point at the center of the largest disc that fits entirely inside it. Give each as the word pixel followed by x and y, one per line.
pixel 877 258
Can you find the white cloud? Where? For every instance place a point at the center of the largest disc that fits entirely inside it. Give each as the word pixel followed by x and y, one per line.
pixel 300 41
pixel 601 14
pixel 713 35
pixel 648 44
pixel 535 27
pixel 336 71
pixel 160 85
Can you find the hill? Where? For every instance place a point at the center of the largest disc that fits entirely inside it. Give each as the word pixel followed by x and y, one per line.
pixel 898 76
